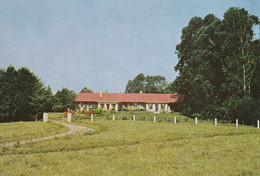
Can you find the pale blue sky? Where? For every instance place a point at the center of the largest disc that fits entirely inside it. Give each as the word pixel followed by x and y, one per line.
pixel 100 44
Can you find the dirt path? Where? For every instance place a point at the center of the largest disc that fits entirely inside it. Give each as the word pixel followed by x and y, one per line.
pixel 74 129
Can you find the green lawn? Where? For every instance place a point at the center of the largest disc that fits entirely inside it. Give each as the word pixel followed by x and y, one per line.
pixel 18 131
pixel 125 147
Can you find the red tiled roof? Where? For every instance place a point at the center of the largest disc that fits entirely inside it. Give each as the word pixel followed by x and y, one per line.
pixel 129 97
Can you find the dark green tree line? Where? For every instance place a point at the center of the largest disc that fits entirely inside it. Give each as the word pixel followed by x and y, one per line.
pixel 23 96
pixel 218 64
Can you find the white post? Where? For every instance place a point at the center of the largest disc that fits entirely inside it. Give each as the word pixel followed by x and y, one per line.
pixel 87 107
pixel 154 108
pixel 236 122
pixel 174 120
pixel 216 122
pixel 196 120
pixel 159 107
pixel 113 116
pixel 91 117
pixel 110 106
pixel 105 106
pixel 154 118
pixel 80 106
pixel 146 107
pixel 99 106
pixel 133 117
pixel 69 117
pixel 169 109
pixel 45 117
pixel 257 123
pixel 165 107
pixel 116 107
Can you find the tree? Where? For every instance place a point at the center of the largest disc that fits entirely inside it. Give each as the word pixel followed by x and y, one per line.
pixel 239 47
pixel 86 90
pixel 44 100
pixel 20 92
pixel 217 64
pixel 8 93
pixel 136 85
pixel 148 84
pixel 63 100
pixel 155 84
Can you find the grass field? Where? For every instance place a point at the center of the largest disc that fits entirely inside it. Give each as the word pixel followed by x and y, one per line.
pixel 124 147
pixel 11 132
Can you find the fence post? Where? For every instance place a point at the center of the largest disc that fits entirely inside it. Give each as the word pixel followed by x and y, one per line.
pixel 91 117
pixel 196 120
pixel 236 122
pixel 133 117
pixel 154 118
pixel 257 123
pixel 69 117
pixel 45 117
pixel 216 122
pixel 113 116
pixel 174 120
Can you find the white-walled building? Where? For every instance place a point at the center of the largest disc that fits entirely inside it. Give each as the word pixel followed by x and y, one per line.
pixel 118 101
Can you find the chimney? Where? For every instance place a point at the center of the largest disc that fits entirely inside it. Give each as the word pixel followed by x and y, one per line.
pixel 100 93
pixel 141 92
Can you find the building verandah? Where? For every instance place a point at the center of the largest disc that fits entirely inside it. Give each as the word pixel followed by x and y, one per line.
pixel 117 106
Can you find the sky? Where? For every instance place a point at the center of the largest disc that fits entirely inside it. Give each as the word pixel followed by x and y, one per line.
pixel 100 44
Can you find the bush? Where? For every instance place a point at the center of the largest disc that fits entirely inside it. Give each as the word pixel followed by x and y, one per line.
pixel 99 111
pixel 90 112
pixel 69 111
pixel 124 118
pixel 81 112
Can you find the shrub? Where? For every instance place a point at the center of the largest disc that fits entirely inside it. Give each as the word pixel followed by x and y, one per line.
pixel 69 111
pixel 99 111
pixel 124 118
pixel 90 112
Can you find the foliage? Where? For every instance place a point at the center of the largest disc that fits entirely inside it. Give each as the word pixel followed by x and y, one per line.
pixel 86 90
pixel 23 96
pixel 63 100
pixel 90 112
pixel 67 112
pixel 217 67
pixel 148 84
pixel 136 85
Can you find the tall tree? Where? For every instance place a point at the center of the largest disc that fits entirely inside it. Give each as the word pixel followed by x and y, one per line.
pixel 63 100
pixel 136 85
pixel 86 90
pixel 217 63
pixel 20 92
pixel 148 84
pixel 155 84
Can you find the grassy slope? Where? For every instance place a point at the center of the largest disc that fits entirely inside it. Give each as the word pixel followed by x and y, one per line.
pixel 140 148
pixel 17 131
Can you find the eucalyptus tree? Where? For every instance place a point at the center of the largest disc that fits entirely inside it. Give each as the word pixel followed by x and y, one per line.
pixel 86 90
pixel 148 84
pixel 217 64
pixel 136 85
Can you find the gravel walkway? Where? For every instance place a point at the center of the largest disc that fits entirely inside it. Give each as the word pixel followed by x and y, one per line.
pixel 74 129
